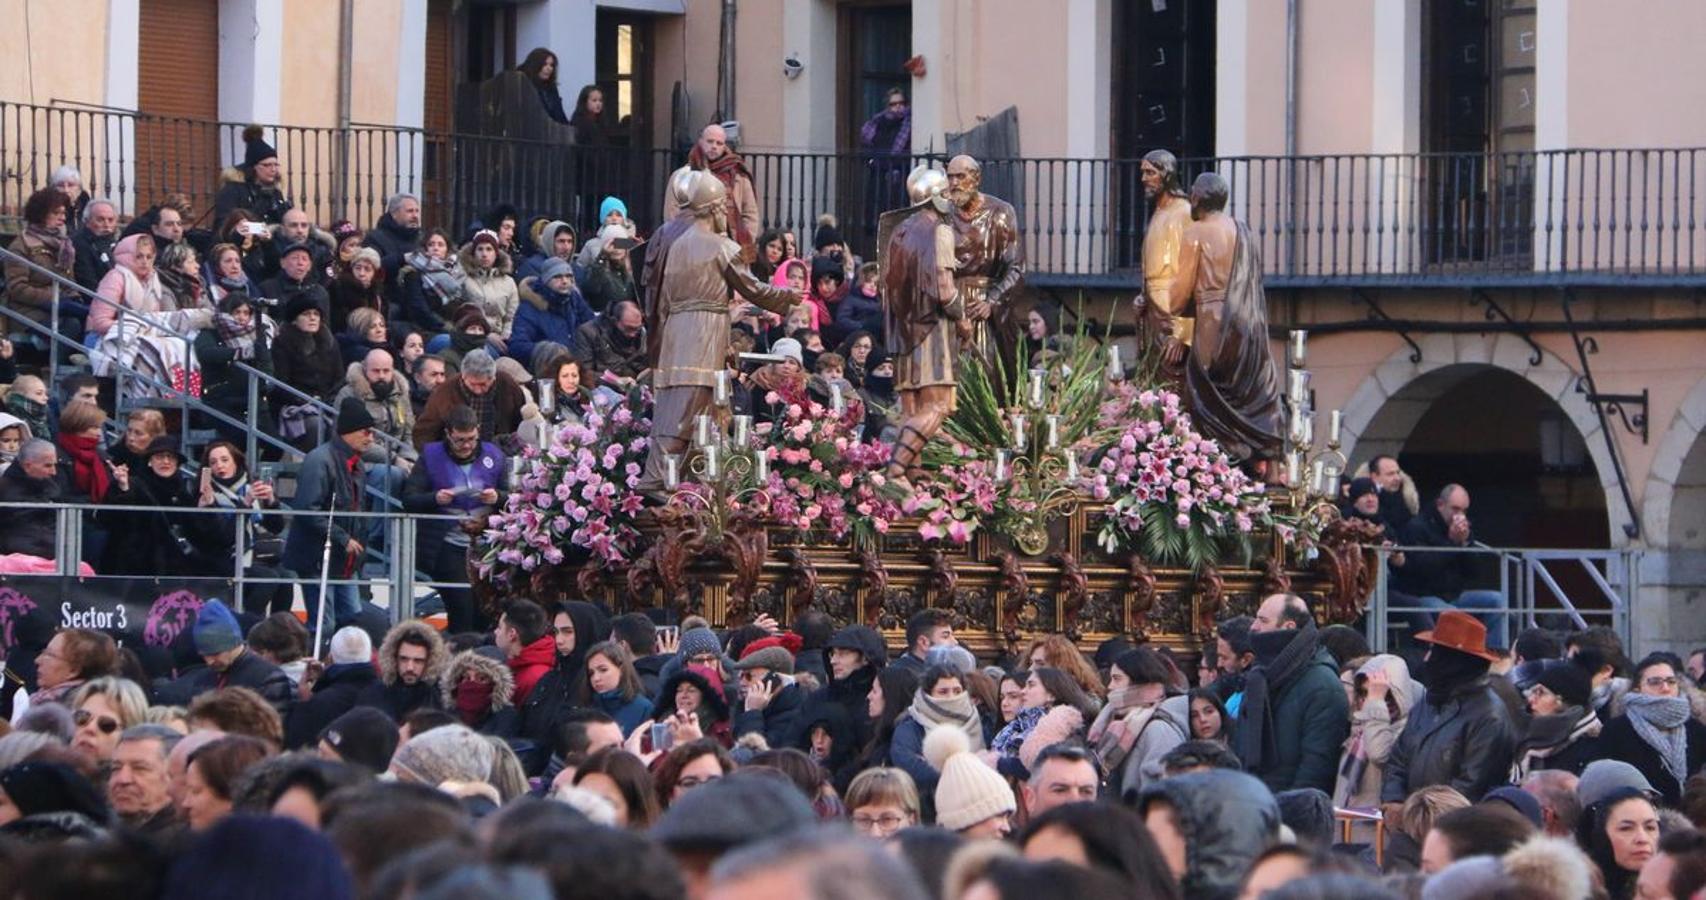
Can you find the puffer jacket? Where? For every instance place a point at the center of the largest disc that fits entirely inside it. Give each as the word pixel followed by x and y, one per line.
pixel 389 693
pixel 241 192
pixel 1465 743
pixel 1374 731
pixel 500 719
pixel 492 291
pixel 393 415
pixel 1227 819
pixel 545 315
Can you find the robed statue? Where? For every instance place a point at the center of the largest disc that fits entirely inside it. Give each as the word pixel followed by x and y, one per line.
pixel 1231 382
pixel 989 257
pixel 1163 324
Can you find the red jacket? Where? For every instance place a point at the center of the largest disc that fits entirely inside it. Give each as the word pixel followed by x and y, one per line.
pixel 531 664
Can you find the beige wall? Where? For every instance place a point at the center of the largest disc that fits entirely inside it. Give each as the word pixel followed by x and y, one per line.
pixel 311 53
pixel 53 50
pixel 1635 73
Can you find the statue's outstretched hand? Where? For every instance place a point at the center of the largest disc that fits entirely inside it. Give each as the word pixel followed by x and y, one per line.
pixel 1174 351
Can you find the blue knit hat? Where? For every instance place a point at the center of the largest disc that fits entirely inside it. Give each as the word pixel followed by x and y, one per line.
pixel 609 204
pixel 696 641
pixel 216 629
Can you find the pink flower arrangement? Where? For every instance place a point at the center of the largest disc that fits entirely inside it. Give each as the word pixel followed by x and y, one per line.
pixel 1177 496
pixel 579 493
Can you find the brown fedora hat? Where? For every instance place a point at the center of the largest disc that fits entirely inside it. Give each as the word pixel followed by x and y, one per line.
pixel 1459 631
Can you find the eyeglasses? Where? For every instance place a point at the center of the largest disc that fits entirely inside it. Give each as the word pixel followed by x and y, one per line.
pixel 896 104
pixel 107 724
pixel 693 781
pixel 703 659
pixel 1661 681
pixel 885 822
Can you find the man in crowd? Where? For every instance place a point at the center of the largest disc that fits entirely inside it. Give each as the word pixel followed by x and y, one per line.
pixel 461 476
pixel 296 277
pixel 168 228
pixel 228 662
pixel 429 373
pixel 1555 791
pixel 494 397
pixel 927 628
pixel 332 479
pixel 1294 717
pixel 1063 773
pixel 376 384
pixel 1233 656
pixel 636 633
pixel 1438 580
pixel 396 233
pixel 33 478
pixel 1389 479
pixel 325 695
pixel 95 242
pixel 551 311
pixel 254 184
pixel 555 240
pixel 711 154
pixel 524 636
pixel 1461 735
pixel 410 660
pixel 770 698
pixel 615 347
pixel 296 228
pixel 139 784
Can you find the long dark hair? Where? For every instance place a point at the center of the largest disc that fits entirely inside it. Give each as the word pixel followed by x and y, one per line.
pixel 535 62
pixel 898 687
pixel 1064 689
pixel 581 113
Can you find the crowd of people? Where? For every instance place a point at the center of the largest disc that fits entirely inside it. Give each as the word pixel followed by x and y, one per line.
pixel 567 753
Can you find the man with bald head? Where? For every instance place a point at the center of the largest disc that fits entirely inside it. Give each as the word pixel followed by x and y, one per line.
pixel 711 154
pixel 990 254
pixel 1439 581
pixel 1294 718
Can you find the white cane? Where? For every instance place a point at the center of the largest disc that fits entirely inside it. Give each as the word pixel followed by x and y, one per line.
pixel 325 573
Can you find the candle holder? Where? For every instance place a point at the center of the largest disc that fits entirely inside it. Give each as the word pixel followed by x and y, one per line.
pixel 1021 433
pixel 1035 388
pixel 720 388
pixel 547 396
pixel 1312 477
pixel 722 474
pixel 1041 470
pixel 1116 368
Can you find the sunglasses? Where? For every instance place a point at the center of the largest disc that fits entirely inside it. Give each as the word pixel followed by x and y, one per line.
pixel 106 724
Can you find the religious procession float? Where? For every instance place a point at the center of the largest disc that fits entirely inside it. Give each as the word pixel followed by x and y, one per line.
pixel 1067 491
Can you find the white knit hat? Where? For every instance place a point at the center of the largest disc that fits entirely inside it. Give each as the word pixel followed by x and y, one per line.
pixel 969 791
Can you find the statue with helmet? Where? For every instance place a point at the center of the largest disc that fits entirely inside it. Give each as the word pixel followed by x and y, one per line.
pixel 696 269
pixel 657 249
pixel 925 325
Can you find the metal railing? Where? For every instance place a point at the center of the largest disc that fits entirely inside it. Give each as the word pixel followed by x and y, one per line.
pixel 1551 217
pixel 394 585
pixel 1540 586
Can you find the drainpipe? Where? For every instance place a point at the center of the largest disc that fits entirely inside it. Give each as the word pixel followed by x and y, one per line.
pixel 340 140
pixel 726 64
pixel 1291 30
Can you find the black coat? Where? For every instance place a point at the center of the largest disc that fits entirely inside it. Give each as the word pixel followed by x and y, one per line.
pixel 1423 574
pixel 398 700
pixel 775 721
pixel 248 670
pixel 392 241
pixel 94 257
pixel 224 386
pixel 336 693
pixel 29 531
pixel 268 203
pixel 154 542
pixel 1619 741
pixel 1466 744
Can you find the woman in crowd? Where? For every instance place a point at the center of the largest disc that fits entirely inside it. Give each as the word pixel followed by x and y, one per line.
pixel 690 765
pixel 240 336
pixel 882 801
pixel 540 67
pixel 1012 689
pixel 1042 329
pixel 1056 652
pixel 890 696
pixel 224 274
pixel 142 427
pixel 1384 694
pixel 346 240
pixel 249 234
pixel 770 255
pixel 616 686
pixel 45 242
pixel 1563 729
pixel 1139 724
pixel 306 357
pixel 366 332
pixel 941 699
pixel 226 484
pixel 156 542
pixel 430 282
pixel 856 350
pixel 180 275
pixel 1055 709
pixel 72 658
pixel 480 691
pixel 486 282
pixel 101 710
pixel 360 286
pixel 1657 732
pixel 1620 833
pixel 588 117
pixel 696 691
pixel 210 780
pixel 1209 719
pixel 620 777
pixel 145 337
pixel 93 477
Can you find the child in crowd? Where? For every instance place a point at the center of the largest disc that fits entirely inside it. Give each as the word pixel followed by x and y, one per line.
pixel 13 433
pixel 862 308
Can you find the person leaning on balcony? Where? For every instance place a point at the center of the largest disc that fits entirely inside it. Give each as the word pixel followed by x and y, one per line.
pixel 30 291
pixel 253 184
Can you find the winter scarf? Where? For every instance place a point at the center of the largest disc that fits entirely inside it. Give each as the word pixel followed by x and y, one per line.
pixel 473 701
pixel 1013 734
pixel 34 414
pixel 1118 726
pixel 960 712
pixel 1549 735
pixel 442 277
pixel 1659 721
pixel 1281 656
pixel 1447 671
pixel 88 469
pixel 727 168
pixel 238 338
pixel 64 251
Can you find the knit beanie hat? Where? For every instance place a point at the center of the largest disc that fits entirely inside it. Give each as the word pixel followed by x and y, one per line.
pixel 353 416
pixel 744 807
pixel 1520 800
pixel 826 235
pixel 968 791
pixel 301 302
pixel 446 753
pixel 224 860
pixel 468 315
pixel 1309 813
pixel 611 204
pixel 295 247
pixel 788 347
pixel 1361 486
pixel 1570 682
pixel 343 229
pixel 771 653
pixel 364 737
pixel 215 630
pixel 351 645
pixel 49 787
pixel 951 656
pixel 553 267
pixel 485 236
pixel 1602 777
pixel 255 147
pixel 699 641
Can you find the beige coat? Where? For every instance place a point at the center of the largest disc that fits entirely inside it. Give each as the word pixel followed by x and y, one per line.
pixel 1374 726
pixel 492 290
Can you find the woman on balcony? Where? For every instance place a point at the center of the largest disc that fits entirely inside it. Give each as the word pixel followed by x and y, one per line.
pixel 540 67
pixel 29 291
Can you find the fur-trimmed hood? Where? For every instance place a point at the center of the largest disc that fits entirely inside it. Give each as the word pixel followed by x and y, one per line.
pixel 417 632
pixel 356 377
pixel 465 257
pixel 503 692
pixel 531 292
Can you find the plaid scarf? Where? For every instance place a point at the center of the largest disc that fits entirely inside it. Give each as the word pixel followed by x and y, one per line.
pixel 237 337
pixel 1660 722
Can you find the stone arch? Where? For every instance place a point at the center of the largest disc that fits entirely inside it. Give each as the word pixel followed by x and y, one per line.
pixel 1679 451
pixel 1389 403
pixel 1673 568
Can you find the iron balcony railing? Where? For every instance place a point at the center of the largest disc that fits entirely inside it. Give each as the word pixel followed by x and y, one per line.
pixel 1553 217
